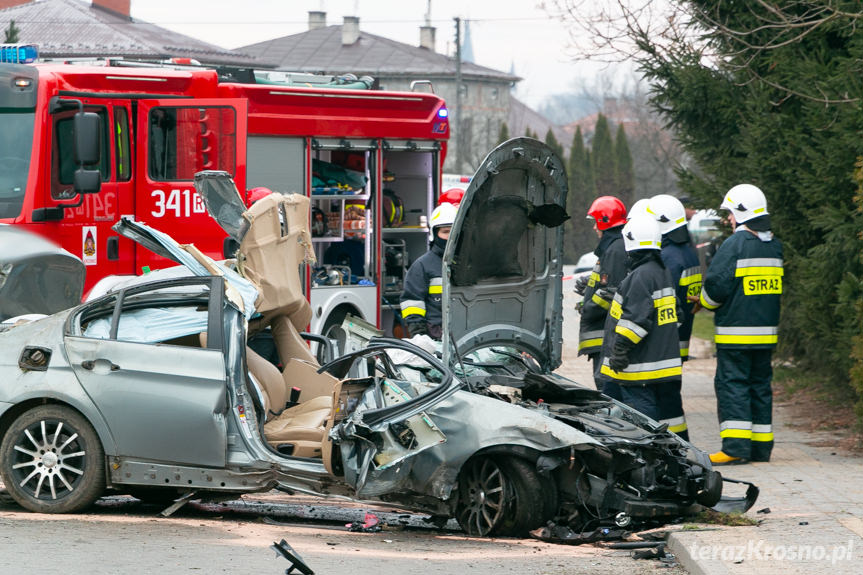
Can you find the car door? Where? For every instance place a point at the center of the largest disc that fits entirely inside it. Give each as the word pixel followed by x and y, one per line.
pixel 138 355
pixel 502 272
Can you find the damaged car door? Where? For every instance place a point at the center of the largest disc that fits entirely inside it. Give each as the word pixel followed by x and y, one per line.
pixel 151 359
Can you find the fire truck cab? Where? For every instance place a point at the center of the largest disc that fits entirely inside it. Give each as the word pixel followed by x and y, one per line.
pixel 82 145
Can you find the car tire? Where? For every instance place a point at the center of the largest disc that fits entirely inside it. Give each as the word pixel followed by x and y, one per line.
pixel 503 496
pixel 52 460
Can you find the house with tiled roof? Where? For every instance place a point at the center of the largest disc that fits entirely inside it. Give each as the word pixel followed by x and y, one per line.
pixel 486 97
pixel 66 29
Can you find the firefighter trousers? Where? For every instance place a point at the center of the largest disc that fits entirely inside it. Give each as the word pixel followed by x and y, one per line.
pixel 744 400
pixel 659 401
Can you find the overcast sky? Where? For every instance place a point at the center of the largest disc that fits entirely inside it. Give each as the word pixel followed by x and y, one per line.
pixel 504 34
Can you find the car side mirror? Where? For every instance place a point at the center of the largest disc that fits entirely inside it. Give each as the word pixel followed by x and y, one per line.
pixel 87 181
pixel 87 130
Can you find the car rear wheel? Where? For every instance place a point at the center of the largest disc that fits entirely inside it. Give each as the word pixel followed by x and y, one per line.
pixel 52 461
pixel 502 496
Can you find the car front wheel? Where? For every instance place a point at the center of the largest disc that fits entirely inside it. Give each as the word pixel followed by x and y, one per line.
pixel 502 496
pixel 52 461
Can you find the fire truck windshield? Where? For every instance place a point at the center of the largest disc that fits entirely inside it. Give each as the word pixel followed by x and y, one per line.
pixel 16 142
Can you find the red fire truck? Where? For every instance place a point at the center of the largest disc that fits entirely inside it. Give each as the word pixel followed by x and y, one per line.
pixel 83 144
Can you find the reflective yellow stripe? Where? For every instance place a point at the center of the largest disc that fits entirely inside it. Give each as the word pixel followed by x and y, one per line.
pixel 762 436
pixel 641 375
pixel 435 289
pixel 678 428
pixel 687 280
pixel 705 303
pixel 664 301
pixel 589 343
pixel 627 333
pixel 736 433
pixel 616 311
pixel 600 302
pixel 684 352
pixel 759 271
pixel 413 311
pixel 744 339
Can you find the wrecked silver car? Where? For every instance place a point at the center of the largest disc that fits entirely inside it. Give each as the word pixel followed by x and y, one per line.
pixel 153 389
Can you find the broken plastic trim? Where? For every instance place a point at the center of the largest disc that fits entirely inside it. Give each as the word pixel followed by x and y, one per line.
pixel 282 548
pixel 738 504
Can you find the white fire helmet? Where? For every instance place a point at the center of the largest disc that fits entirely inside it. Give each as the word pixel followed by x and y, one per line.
pixel 642 233
pixel 638 208
pixel 746 202
pixel 443 215
pixel 668 211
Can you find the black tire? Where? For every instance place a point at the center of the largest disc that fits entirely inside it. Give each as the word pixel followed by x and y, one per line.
pixel 503 496
pixel 52 460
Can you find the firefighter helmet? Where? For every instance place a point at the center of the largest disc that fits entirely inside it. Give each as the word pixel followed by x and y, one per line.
pixel 668 211
pixel 608 212
pixel 638 208
pixel 642 233
pixel 745 202
pixel 258 193
pixel 443 215
pixel 451 196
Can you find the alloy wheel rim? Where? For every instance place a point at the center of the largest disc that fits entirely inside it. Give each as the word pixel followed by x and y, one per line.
pixel 486 490
pixel 48 461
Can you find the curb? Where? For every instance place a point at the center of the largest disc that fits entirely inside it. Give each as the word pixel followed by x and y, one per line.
pixel 686 560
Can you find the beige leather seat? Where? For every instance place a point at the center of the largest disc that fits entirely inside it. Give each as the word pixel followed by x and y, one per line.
pixel 301 426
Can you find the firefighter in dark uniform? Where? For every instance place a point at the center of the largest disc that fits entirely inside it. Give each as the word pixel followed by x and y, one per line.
pixel 641 353
pixel 681 259
pixel 743 285
pixel 423 289
pixel 609 215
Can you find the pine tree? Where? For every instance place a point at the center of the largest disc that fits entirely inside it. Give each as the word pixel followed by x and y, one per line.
pixel 625 175
pixel 503 133
pixel 551 142
pixel 12 33
pixel 787 119
pixel 579 236
pixel 604 161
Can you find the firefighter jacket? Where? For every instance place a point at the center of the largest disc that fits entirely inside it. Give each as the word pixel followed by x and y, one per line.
pixel 682 263
pixel 743 285
pixel 421 299
pixel 644 314
pixel 609 271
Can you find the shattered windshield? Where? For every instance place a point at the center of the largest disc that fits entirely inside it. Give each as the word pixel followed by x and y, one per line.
pixel 16 142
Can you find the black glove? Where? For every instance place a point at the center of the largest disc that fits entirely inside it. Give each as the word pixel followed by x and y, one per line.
pixel 418 328
pixel 607 293
pixel 620 353
pixel 579 307
pixel 581 284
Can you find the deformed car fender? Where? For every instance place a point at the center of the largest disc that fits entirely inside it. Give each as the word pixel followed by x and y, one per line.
pixel 482 423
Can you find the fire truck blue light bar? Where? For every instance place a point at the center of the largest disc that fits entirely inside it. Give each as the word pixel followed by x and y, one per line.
pixel 18 53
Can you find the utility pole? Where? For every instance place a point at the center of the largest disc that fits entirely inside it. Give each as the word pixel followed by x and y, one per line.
pixel 459 140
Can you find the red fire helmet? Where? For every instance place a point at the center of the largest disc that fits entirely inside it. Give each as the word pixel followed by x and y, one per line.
pixel 258 193
pixel 608 212
pixel 451 196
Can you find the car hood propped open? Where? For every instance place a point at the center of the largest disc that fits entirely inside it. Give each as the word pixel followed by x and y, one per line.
pixel 503 262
